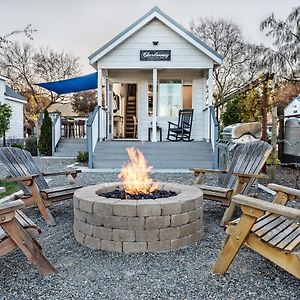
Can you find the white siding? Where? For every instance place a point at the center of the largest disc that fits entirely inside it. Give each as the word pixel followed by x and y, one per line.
pixel 293 107
pixel 183 54
pixel 2 90
pixel 16 130
pixel 17 119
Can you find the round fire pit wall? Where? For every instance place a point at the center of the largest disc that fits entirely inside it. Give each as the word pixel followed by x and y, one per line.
pixel 158 225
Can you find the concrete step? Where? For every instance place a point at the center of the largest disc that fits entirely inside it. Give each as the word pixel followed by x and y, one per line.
pixel 67 141
pixel 158 165
pixel 70 147
pixel 154 152
pixel 161 155
pixel 155 146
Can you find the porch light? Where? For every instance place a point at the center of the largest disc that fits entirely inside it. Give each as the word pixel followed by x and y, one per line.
pixel 155 43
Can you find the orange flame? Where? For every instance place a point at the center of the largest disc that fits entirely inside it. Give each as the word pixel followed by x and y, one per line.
pixel 134 174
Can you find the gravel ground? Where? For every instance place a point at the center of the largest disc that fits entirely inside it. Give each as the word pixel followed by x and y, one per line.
pixel 183 274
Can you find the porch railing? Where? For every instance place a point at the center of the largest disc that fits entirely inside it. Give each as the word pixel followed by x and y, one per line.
pixel 93 133
pixel 56 131
pixel 214 132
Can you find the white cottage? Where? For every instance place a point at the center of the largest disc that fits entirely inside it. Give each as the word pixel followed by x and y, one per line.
pixel 151 70
pixel 293 108
pixel 16 102
pixel 145 76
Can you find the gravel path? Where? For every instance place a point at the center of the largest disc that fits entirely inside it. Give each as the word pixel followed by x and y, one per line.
pixel 183 274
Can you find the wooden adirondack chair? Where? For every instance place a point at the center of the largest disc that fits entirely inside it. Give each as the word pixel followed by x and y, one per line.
pixel 24 171
pixel 183 129
pixel 245 168
pixel 18 231
pixel 268 228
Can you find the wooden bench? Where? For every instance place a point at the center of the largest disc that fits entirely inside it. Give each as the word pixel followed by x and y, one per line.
pixel 18 231
pixel 245 168
pixel 269 228
pixel 21 166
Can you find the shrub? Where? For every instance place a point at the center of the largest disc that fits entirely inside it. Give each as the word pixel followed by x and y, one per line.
pixel 232 113
pixel 82 156
pixel 31 145
pixel 45 141
pixel 16 145
pixel 5 115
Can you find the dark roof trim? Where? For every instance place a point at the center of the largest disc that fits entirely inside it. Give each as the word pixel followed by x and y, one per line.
pixel 155 9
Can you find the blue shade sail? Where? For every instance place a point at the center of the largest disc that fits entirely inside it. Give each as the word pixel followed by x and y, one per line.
pixel 72 85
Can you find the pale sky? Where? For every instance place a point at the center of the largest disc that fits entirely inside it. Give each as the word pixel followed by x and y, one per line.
pixel 81 27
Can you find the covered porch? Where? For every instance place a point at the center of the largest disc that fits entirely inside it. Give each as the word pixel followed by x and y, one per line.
pixel 138 103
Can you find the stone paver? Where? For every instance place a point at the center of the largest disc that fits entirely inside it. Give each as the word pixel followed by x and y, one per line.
pixel 147 235
pixel 157 222
pixel 135 247
pixel 180 219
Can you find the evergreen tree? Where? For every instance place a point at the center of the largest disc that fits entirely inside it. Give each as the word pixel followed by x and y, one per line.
pixel 232 113
pixel 5 115
pixel 45 140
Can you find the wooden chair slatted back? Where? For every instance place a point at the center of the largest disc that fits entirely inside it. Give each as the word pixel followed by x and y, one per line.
pixel 185 118
pixel 248 158
pixel 19 162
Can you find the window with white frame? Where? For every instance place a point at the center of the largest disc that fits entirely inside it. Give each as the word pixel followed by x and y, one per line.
pixel 173 95
pixel 170 98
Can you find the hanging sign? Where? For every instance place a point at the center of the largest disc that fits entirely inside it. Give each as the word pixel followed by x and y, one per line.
pixel 155 55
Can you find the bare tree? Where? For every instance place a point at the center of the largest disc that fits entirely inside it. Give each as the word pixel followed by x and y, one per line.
pixel 283 57
pixel 84 102
pixel 239 57
pixel 26 66
pixel 27 31
pixel 285 92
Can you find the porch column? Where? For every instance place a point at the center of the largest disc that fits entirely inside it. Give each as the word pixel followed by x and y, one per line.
pixel 109 114
pixel 100 117
pixel 154 84
pixel 209 102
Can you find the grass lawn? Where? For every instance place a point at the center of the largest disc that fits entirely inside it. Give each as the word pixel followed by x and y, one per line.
pixel 11 187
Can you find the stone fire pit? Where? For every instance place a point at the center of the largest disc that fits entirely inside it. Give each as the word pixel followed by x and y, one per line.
pixel 157 225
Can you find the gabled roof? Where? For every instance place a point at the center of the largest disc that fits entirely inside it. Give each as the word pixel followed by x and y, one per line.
pixel 296 99
pixel 155 12
pixel 9 92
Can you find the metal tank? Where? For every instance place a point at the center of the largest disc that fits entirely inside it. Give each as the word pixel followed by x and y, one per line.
pixel 292 141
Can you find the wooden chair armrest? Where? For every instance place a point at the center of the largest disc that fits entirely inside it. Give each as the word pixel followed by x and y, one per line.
pixel 62 173
pixel 256 176
pixel 11 206
pixel 60 189
pixel 284 189
pixel 169 122
pixel 266 206
pixel 198 170
pixel 20 178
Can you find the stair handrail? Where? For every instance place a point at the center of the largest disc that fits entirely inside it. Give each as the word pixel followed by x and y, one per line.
pixel 56 131
pixel 214 132
pixel 92 133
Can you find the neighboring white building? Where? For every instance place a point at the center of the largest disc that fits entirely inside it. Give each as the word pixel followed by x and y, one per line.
pixel 293 108
pixel 164 68
pixel 16 102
